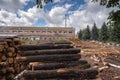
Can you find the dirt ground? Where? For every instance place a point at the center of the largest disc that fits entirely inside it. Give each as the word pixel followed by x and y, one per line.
pixel 96 53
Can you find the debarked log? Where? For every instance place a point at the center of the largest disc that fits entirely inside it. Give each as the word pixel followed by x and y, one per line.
pixel 49 58
pixel 113 60
pixel 50 52
pixel 50 66
pixel 44 46
pixel 61 73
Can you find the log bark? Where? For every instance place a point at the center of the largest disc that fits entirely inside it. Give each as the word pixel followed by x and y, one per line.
pixel 3 43
pixel 61 73
pixel 49 58
pixel 66 42
pixel 50 52
pixel 4 64
pixel 44 46
pixel 10 76
pixel 84 66
pixel 49 66
pixel 7 70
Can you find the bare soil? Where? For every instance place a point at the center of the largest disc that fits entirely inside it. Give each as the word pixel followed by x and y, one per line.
pixel 96 53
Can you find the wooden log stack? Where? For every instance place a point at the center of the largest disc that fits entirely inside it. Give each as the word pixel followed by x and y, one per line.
pixel 52 61
pixel 8 53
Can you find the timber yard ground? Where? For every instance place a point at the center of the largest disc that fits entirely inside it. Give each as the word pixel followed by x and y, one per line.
pixel 103 56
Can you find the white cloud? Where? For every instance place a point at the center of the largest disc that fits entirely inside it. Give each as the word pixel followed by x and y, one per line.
pixel 87 14
pixel 56 1
pixel 12 5
pixel 67 6
pixel 22 18
pixel 55 17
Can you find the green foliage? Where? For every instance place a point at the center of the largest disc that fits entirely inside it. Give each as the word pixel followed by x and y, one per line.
pixel 116 33
pixel 109 3
pixel 86 33
pixel 110 33
pixel 114 17
pixel 94 32
pixel 80 34
pixel 114 22
pixel 39 3
pixel 103 34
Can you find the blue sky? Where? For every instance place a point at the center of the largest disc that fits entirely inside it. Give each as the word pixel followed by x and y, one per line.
pixel 80 13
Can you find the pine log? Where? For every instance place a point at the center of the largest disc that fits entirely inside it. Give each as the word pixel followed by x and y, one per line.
pixel 1 54
pixel 44 46
pixel 10 76
pixel 84 66
pixel 10 54
pixel 0 60
pixel 57 66
pixel 17 42
pixel 49 66
pixel 7 70
pixel 50 52
pixel 66 42
pixel 1 47
pixel 10 60
pixel 61 73
pixel 11 49
pixel 4 58
pixel 49 58
pixel 4 64
pixel 3 43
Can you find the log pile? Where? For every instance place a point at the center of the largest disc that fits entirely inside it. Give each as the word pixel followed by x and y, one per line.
pixel 8 53
pixel 52 61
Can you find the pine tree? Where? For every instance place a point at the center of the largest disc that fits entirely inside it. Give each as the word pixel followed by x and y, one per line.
pixel 80 34
pixel 110 33
pixel 86 33
pixel 103 34
pixel 94 32
pixel 116 33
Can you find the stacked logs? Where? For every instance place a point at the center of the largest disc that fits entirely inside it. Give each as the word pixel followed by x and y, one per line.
pixel 8 53
pixel 52 61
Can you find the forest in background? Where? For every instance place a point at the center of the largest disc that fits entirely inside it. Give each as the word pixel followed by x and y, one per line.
pixel 107 33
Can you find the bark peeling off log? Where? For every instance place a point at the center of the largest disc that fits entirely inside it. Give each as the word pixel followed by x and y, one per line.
pixel 61 73
pixel 50 52
pixel 49 66
pixel 49 58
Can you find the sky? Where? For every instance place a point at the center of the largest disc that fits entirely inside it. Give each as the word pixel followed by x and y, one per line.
pixel 77 13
